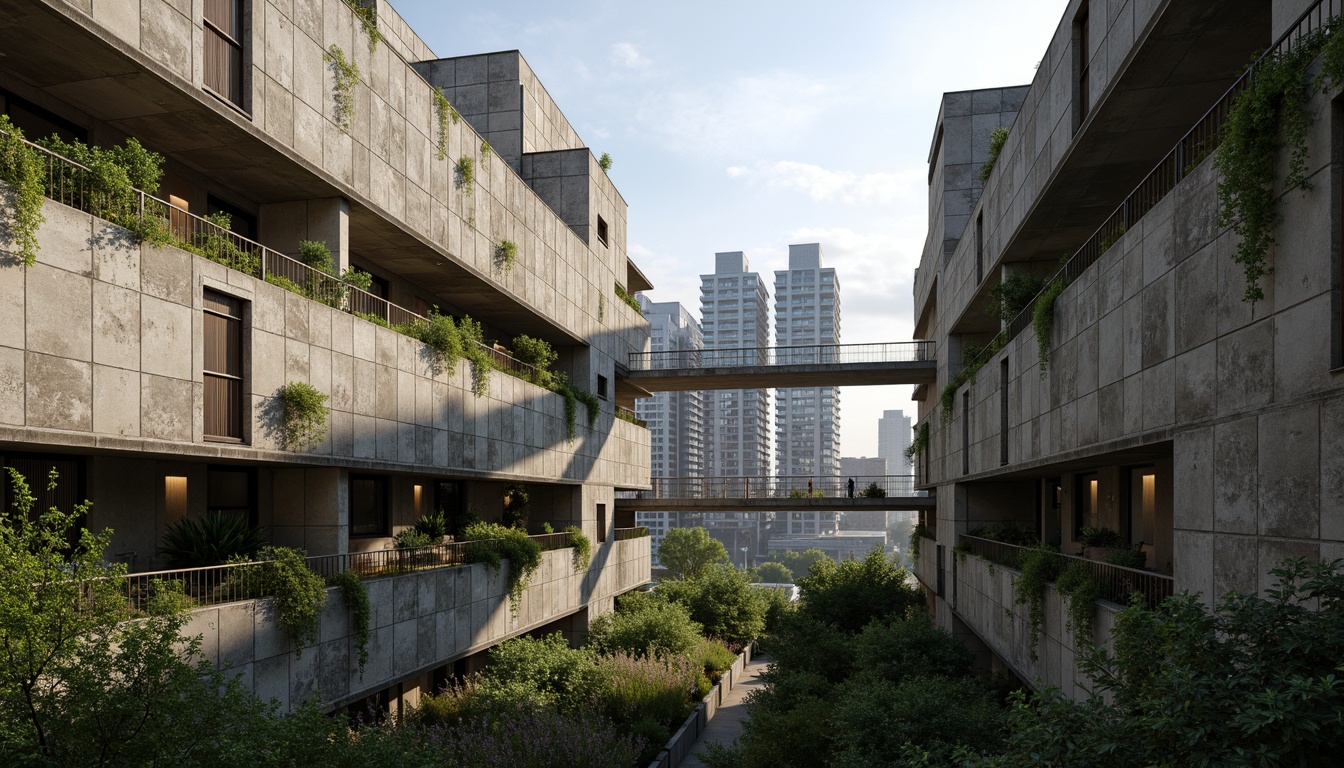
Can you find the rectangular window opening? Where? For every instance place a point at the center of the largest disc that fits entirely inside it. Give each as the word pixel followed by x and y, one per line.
pixel 1082 59
pixel 602 386
pixel 966 433
pixel 602 230
pixel 1003 412
pixel 601 523
pixel 368 506
pixel 223 367
pixel 223 73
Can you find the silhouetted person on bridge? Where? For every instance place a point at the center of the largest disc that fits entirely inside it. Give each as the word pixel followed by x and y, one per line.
pixel 851 487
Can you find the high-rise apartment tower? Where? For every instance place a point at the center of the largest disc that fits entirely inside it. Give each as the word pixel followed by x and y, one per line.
pixel 807 317
pixel 734 307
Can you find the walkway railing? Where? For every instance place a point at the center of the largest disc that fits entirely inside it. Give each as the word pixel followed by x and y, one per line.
pixel 1197 144
pixel 773 487
pixel 244 581
pixel 71 183
pixel 1117 581
pixel 813 354
pixel 626 534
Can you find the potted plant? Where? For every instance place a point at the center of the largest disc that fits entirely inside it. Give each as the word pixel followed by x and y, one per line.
pixel 1099 543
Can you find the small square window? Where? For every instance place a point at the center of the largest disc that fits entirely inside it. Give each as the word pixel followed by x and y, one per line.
pixel 602 230
pixel 602 386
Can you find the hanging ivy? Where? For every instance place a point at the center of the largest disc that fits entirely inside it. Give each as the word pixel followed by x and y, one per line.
pixel 443 112
pixel 1083 591
pixel 303 415
pixel 1274 104
pixel 506 254
pixel 356 598
pixel 1039 565
pixel 997 137
pixel 346 73
pixel 21 170
pixel 368 20
pixel 1043 320
pixel 920 443
pixel 466 174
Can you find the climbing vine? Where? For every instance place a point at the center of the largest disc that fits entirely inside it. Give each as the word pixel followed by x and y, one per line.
pixel 1083 591
pixel 583 547
pixel 356 598
pixel 298 593
pixel 466 174
pixel 443 112
pixel 476 352
pixel 21 169
pixel 997 137
pixel 1039 565
pixel 506 254
pixel 920 443
pixel 346 73
pixel 368 20
pixel 1274 104
pixel 1043 319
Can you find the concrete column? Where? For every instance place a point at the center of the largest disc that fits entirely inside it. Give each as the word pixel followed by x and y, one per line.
pixel 281 226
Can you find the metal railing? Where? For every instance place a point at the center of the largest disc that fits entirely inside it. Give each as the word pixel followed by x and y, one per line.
pixel 245 581
pixel 71 183
pixel 1117 582
pixel 811 354
pixel 626 534
pixel 772 487
pixel 1192 149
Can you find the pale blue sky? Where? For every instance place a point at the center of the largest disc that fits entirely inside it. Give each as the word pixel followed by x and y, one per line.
pixel 752 125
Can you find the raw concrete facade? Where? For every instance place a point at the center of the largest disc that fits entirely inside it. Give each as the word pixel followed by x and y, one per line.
pixel 1199 426
pixel 101 347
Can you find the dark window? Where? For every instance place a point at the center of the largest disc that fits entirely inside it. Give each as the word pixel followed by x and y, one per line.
pixel 980 248
pixel 224 50
pixel 448 502
pixel 223 367
pixel 602 230
pixel 1083 59
pixel 602 386
pixel 38 123
pixel 241 222
pixel 379 287
pixel 368 505
pixel 36 471
pixel 231 491
pixel 601 522
pixel 965 433
pixel 1003 411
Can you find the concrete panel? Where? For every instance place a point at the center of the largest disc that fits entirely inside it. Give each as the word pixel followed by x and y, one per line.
pixel 1246 368
pixel 1289 472
pixel 167 407
pixel 116 401
pixel 59 312
pixel 1193 461
pixel 1236 478
pixel 1332 469
pixel 116 326
pixel 12 386
pixel 59 392
pixel 167 338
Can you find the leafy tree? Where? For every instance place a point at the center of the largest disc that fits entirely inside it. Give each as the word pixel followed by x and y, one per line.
pixel 722 601
pixel 801 562
pixel 774 573
pixel 687 552
pixel 852 593
pixel 643 624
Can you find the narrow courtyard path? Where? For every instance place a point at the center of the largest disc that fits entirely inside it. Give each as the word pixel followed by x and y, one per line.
pixel 727 724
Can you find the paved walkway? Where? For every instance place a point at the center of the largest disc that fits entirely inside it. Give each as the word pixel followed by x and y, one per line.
pixel 727 724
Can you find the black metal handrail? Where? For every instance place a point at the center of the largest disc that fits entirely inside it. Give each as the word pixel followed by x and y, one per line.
pixel 213 585
pixel 772 487
pixel 807 354
pixel 1117 582
pixel 69 183
pixel 1196 145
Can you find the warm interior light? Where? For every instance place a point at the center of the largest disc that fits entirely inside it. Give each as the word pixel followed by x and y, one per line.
pixel 1092 494
pixel 174 498
pixel 416 491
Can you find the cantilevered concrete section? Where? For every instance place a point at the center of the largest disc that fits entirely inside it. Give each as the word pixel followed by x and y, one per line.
pixel 824 365
pixel 776 494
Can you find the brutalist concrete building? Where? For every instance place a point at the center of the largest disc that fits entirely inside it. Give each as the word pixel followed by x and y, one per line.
pixel 1201 429
pixel 149 375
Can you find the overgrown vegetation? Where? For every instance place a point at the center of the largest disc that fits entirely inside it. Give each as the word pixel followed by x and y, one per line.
pixel 1014 294
pixel 722 600
pixel 506 254
pixel 605 162
pixel 217 539
pixel 1043 320
pixel 628 298
pixel 434 525
pixel 303 415
pixel 583 547
pixel 368 21
pixel 106 186
pixel 485 149
pixel 491 543
pixel 356 598
pixel 687 553
pixel 298 594
pixel 997 137
pixel 466 174
pixel 920 443
pixel 345 75
pixel 442 336
pixel 443 112
pixel 1083 591
pixel 539 354
pixel 22 171
pixel 1039 565
pixel 1275 104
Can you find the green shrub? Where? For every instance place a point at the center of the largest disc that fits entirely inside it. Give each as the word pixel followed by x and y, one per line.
pixel 215 244
pixel 605 162
pixel 568 678
pixel 876 720
pixel 723 601
pixel 433 525
pixel 853 593
pixel 466 174
pixel 491 543
pixel 1129 557
pixel 298 594
pixel 293 287
pixel 304 415
pixel 412 538
pixel 317 255
pixel 873 491
pixel 645 625
pixel 640 690
pixel 997 138
pixel 219 538
pixel 506 254
pixel 773 573
pixel 1014 294
pixel 537 353
pixel 475 350
pixel 1006 532
pixel 1102 537
pixel 1083 591
pixel 629 299
pixel 583 547
pixel 22 169
pixel 714 658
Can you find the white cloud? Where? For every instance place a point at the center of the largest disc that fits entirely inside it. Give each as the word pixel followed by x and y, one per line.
pixel 822 184
pixel 741 116
pixel 628 56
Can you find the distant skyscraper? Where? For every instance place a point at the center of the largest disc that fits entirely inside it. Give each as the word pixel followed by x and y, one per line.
pixel 676 419
pixel 734 307
pixel 807 314
pixel 893 438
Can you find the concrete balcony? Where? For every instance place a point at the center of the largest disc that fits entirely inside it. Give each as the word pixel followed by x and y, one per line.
pixel 420 621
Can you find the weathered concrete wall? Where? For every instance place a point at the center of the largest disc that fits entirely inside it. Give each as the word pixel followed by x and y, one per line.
pixel 983 599
pixel 420 621
pixel 1154 343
